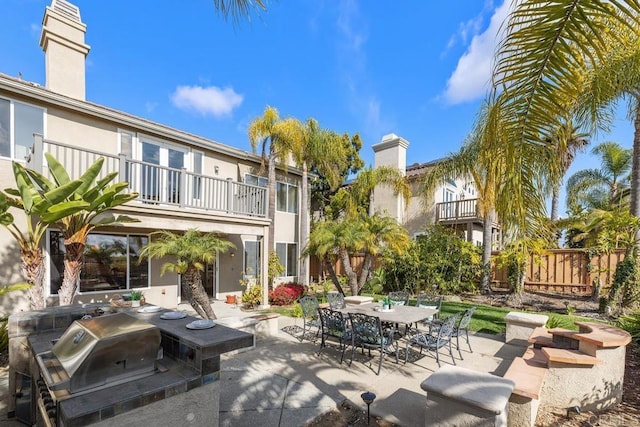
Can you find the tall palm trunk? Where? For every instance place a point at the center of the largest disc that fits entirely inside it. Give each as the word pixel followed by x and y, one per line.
pixel 304 224
pixel 489 219
pixel 348 269
pixel 73 260
pixel 634 204
pixel 198 297
pixel 33 270
pixel 334 277
pixel 271 206
pixel 366 269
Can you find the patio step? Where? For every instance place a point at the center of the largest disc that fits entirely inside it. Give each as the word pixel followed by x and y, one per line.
pixel 541 337
pixel 528 373
pixel 572 357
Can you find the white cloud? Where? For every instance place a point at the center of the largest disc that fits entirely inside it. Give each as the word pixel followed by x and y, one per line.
pixel 469 81
pixel 150 106
pixel 210 100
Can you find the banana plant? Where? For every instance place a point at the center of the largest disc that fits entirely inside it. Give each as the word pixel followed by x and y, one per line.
pixel 42 207
pixel 99 197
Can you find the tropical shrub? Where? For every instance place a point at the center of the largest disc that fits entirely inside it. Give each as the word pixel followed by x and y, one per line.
pixel 286 294
pixel 439 261
pixel 631 324
pixel 625 280
pixel 252 296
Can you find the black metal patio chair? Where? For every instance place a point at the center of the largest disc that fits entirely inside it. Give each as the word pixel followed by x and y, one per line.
pixel 434 342
pixel 369 334
pixel 335 300
pixel 334 327
pixel 310 316
pixel 399 298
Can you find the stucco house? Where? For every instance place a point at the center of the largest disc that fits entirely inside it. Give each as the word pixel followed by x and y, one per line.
pixel 183 180
pixel 454 203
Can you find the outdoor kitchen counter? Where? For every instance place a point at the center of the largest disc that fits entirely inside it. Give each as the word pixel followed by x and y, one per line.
pixel 214 341
pixel 190 362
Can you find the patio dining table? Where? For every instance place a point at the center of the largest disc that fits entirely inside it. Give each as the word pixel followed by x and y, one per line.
pixel 397 314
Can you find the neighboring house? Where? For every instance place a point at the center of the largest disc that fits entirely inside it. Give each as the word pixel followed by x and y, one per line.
pixel 184 181
pixel 454 203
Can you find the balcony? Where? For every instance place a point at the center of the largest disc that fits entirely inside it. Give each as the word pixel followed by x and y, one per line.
pixel 159 185
pixel 458 211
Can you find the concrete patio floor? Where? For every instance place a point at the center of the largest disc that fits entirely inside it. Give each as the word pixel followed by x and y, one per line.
pixel 283 382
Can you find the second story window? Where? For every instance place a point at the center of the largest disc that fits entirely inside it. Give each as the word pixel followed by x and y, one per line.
pixel 18 123
pixel 259 181
pixel 287 197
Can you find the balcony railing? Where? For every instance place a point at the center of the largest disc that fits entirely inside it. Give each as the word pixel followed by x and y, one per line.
pixel 156 184
pixel 457 210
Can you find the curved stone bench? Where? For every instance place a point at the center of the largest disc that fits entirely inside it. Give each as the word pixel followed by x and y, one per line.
pixel 462 397
pixel 586 368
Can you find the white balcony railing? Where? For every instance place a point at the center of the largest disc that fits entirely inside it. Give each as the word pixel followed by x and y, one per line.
pixel 457 210
pixel 156 184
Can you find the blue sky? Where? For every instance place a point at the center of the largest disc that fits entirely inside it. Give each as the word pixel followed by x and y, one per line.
pixel 418 68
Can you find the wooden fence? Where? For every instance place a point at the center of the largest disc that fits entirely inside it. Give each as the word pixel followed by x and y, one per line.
pixel 558 271
pixel 565 271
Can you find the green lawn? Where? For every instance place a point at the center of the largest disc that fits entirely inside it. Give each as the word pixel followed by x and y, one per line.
pixel 490 319
pixel 486 319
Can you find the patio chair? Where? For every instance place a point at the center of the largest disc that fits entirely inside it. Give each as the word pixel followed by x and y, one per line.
pixel 335 300
pixel 434 342
pixel 368 333
pixel 334 326
pixel 429 301
pixel 399 298
pixel 310 317
pixel 463 328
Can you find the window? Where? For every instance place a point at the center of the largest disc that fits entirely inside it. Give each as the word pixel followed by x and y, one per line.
pixel 252 258
pixel 448 196
pixel 260 181
pixel 18 123
pixel 288 255
pixel 110 262
pixel 287 197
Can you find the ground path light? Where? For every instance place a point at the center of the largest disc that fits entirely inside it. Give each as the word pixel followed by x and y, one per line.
pixel 368 398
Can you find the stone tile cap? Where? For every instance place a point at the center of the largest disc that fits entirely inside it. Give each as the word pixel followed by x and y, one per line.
pixel 479 389
pixel 538 319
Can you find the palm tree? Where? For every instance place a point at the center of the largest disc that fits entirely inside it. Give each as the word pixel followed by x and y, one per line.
pixel 192 250
pixel 239 8
pixel 481 159
pixel 568 142
pixel 42 207
pixel 276 138
pixel 352 227
pixel 371 235
pixel 322 150
pixel 540 65
pixel 600 188
pixel 101 197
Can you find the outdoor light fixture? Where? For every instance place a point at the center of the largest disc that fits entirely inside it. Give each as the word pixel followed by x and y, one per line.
pixel 216 169
pixel 368 398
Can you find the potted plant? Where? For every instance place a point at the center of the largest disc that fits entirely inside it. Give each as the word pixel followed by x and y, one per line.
pixel 135 297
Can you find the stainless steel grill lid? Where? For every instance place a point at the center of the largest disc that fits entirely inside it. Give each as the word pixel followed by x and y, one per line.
pixel 102 350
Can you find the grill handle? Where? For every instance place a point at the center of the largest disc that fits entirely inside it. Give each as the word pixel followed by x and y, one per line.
pixel 48 379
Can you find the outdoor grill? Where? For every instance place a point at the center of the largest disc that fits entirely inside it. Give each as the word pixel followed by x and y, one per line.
pixel 94 353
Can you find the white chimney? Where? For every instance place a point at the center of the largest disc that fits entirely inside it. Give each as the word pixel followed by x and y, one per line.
pixel 392 152
pixel 62 40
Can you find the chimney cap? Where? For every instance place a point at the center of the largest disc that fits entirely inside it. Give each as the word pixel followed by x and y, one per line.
pixel 67 9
